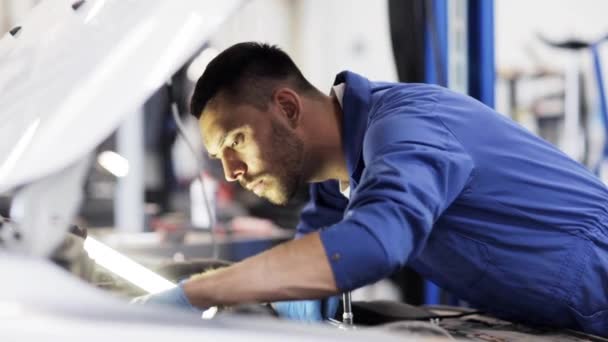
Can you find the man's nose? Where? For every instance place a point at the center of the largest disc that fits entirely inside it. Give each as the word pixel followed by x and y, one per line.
pixel 234 168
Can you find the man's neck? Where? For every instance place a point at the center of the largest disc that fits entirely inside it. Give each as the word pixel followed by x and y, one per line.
pixel 326 157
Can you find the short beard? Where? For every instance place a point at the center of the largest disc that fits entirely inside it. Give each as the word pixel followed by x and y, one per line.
pixel 287 159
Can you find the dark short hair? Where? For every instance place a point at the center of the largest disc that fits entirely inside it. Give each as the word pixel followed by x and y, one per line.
pixel 246 73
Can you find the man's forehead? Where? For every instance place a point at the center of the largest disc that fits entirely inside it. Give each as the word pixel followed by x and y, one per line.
pixel 216 122
pixel 212 127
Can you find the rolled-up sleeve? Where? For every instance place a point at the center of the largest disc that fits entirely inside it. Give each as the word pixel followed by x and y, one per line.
pixel 414 169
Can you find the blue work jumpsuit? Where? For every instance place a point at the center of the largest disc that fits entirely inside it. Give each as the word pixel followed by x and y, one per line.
pixel 470 200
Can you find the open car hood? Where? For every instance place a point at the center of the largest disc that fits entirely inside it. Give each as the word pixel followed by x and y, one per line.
pixel 76 69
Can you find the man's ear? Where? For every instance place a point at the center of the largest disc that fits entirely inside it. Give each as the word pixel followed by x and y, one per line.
pixel 289 104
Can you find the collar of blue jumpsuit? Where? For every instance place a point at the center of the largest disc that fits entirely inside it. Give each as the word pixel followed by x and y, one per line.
pixel 356 105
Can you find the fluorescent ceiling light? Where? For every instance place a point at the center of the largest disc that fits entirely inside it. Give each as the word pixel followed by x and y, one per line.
pixel 125 267
pixel 131 271
pixel 114 163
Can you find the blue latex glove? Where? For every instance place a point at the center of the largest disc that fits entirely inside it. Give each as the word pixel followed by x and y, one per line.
pixel 307 310
pixel 175 297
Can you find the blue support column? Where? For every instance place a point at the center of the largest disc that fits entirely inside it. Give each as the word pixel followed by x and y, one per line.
pixel 481 78
pixel 601 88
pixel 481 50
pixel 436 71
pixel 436 43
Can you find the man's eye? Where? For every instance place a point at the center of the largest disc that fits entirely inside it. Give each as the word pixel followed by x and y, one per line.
pixel 237 140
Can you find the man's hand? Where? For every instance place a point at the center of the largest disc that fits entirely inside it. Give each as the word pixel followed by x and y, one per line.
pixel 172 297
pixel 307 310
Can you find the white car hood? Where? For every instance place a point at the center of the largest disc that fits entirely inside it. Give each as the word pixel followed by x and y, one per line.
pixel 69 77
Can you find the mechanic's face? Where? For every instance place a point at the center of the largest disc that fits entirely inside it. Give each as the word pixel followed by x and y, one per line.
pixel 257 149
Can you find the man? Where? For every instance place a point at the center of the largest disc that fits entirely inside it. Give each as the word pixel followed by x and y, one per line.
pixel 400 174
